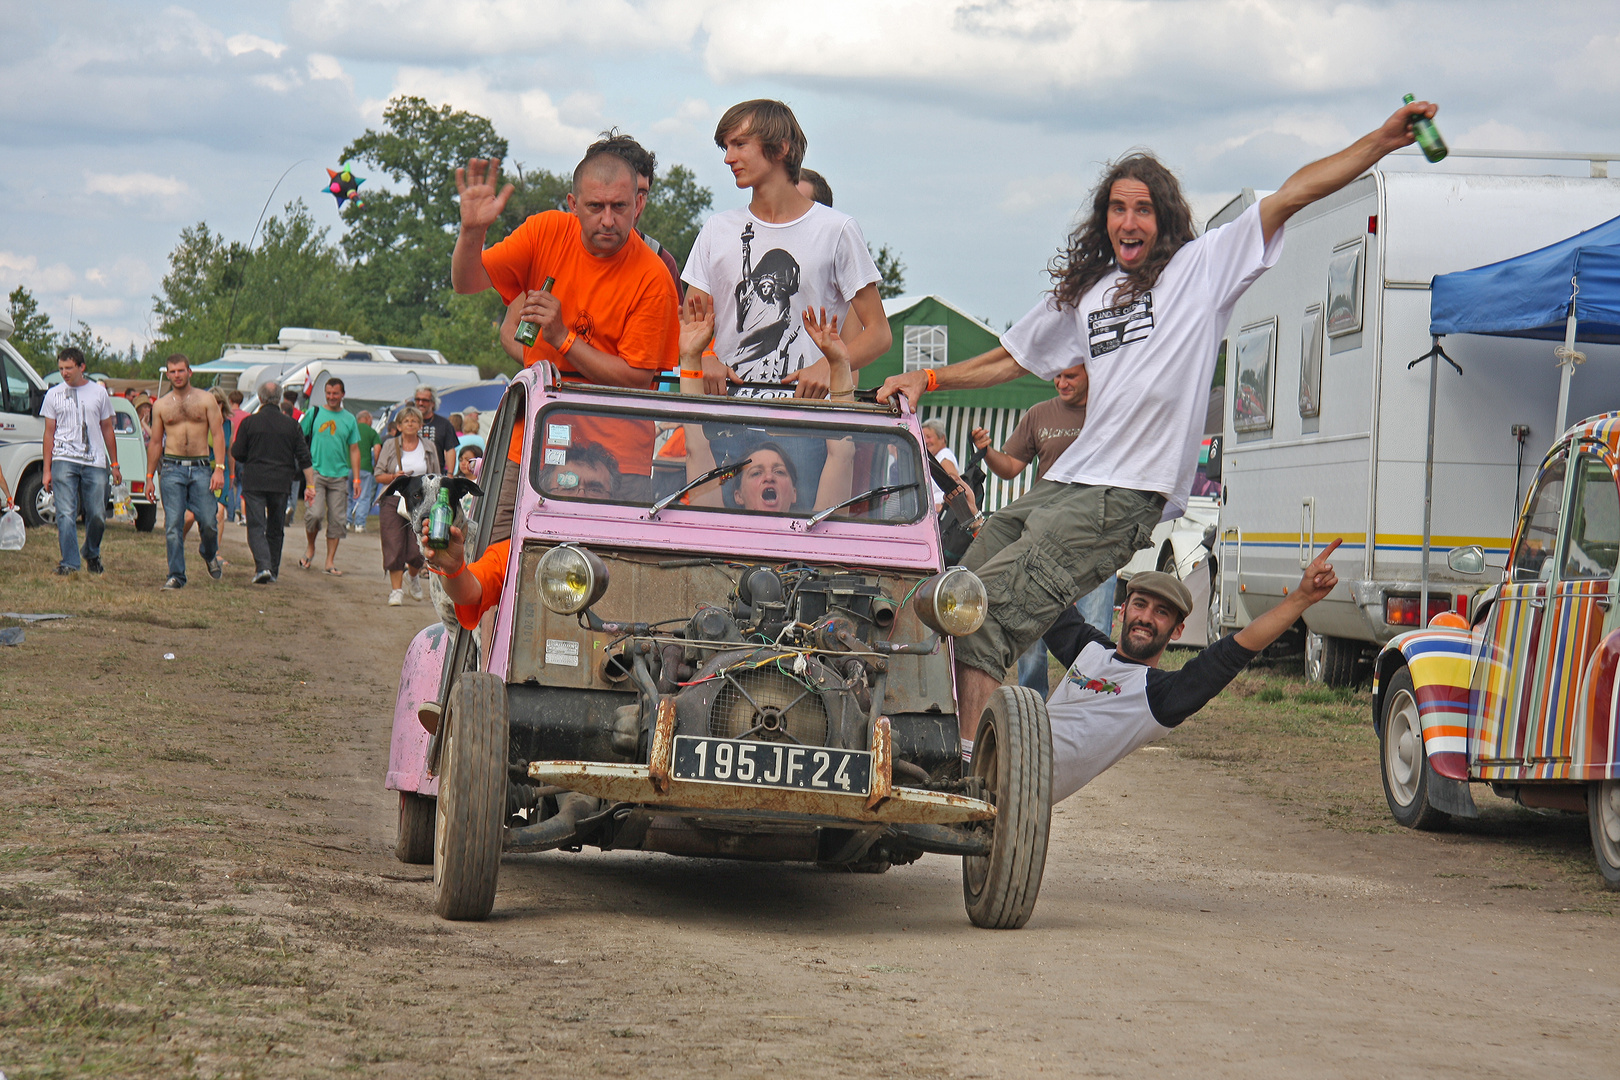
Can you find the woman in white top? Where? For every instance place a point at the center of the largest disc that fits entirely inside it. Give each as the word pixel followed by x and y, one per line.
pixel 406 454
pixel 933 432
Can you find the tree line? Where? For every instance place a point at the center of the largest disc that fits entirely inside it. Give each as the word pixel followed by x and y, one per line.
pixel 387 280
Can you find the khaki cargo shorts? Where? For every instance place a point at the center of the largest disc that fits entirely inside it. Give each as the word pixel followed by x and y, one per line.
pixel 1043 552
pixel 331 505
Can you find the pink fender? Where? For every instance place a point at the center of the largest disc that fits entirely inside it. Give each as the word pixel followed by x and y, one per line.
pixel 418 682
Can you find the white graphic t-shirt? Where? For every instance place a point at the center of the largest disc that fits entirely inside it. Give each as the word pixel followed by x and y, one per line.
pixel 78 412
pixel 763 276
pixel 1150 361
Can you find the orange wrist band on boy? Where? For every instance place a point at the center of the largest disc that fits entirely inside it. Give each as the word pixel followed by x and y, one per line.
pixel 933 381
pixel 568 343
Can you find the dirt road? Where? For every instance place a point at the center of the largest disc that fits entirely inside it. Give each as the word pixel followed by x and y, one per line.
pixel 197 879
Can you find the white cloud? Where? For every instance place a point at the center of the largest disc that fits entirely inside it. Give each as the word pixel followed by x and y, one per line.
pixel 478 29
pixel 529 119
pixel 248 43
pixel 26 270
pixel 693 114
pixel 326 67
pixel 135 185
pixel 279 82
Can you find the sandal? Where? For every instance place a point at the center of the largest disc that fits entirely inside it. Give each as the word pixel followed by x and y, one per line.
pixel 303 564
pixel 334 571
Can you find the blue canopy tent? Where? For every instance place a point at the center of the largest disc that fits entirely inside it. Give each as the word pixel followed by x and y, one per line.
pixel 1563 291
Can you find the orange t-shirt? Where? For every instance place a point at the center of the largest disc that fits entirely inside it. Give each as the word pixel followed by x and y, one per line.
pixel 624 304
pixel 490 570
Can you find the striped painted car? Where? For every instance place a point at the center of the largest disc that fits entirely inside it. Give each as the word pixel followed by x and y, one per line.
pixel 1523 694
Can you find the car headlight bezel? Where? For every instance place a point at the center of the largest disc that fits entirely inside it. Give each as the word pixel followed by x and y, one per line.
pixel 953 603
pixel 570 578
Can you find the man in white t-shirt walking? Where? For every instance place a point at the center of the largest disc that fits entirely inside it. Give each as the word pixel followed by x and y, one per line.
pixel 1143 305
pixel 765 266
pixel 79 450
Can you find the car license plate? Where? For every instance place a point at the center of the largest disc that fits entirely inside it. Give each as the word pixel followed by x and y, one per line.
pixel 752 763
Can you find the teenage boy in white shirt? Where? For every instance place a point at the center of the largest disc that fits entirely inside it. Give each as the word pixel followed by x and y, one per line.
pixel 768 265
pixel 1143 304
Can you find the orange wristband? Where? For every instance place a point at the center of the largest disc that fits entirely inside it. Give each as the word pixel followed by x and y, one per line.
pixel 568 343
pixel 698 374
pixel 933 381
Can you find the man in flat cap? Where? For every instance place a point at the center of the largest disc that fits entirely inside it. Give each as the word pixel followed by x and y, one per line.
pixel 1114 698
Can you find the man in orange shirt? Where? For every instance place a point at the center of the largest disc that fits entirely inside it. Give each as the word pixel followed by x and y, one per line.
pixel 611 316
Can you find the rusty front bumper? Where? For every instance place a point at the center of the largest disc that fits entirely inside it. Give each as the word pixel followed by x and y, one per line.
pixel 652 785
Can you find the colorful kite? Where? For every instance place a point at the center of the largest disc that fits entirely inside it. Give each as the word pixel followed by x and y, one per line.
pixel 344 185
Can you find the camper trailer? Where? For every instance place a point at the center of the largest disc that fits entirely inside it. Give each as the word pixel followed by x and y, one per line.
pixel 1327 417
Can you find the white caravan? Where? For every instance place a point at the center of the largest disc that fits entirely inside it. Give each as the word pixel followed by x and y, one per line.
pixel 1325 424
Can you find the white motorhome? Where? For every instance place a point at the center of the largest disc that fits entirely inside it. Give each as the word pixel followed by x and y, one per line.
pixel 1326 425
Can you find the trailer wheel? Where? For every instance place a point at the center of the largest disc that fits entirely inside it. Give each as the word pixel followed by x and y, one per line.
pixel 1331 660
pixel 1603 811
pixel 472 798
pixel 417 819
pixel 1404 763
pixel 1012 754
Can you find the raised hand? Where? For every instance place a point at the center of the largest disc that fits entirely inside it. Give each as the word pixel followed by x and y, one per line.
pixel 1319 578
pixel 697 328
pixel 481 206
pixel 831 374
pixel 1396 132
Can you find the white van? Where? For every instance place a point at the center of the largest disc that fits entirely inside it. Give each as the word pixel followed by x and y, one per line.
pixel 1325 424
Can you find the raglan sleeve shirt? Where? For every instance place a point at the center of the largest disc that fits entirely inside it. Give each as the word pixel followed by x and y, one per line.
pixel 1107 706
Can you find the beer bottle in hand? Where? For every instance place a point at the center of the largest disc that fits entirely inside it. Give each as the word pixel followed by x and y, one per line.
pixel 527 332
pixel 439 518
pixel 1427 135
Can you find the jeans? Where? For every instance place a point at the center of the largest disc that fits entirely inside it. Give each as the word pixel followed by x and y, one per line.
pixel 232 499
pixel 1096 607
pixel 266 525
pixel 185 487
pixel 360 509
pixel 76 486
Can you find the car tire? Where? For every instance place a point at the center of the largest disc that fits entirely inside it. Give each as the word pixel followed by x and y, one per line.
pixel 469 820
pixel 1331 660
pixel 1012 756
pixel 27 496
pixel 417 821
pixel 1603 812
pixel 1167 561
pixel 145 517
pixel 1403 762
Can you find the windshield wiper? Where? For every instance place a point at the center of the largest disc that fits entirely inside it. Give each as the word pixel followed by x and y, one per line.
pixel 877 492
pixel 723 473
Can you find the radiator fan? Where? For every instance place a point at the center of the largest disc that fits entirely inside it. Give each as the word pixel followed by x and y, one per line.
pixel 763 703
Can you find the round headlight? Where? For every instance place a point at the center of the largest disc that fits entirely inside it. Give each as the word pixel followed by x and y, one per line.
pixel 952 603
pixel 571 579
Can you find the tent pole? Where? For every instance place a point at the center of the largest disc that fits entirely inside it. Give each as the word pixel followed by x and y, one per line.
pixel 1567 362
pixel 1428 485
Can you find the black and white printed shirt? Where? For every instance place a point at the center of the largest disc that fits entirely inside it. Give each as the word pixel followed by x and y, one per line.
pixel 1108 706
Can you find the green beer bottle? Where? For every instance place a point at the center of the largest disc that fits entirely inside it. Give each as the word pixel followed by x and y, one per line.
pixel 1427 135
pixel 439 519
pixel 527 332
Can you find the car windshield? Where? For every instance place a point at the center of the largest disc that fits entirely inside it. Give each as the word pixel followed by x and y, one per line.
pixel 774 467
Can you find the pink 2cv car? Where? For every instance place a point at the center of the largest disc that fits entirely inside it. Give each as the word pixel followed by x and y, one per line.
pixel 1524 692
pixel 724 632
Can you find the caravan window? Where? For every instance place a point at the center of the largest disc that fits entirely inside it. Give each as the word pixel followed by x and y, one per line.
pixel 1594 526
pixel 1538 530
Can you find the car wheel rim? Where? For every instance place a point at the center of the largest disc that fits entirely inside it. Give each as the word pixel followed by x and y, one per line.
pixel 1609 818
pixel 1403 749
pixel 976 868
pixel 1313 656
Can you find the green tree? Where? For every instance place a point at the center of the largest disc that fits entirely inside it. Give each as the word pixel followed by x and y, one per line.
pixel 891 271
pixel 99 355
pixel 676 208
pixel 470 333
pixel 400 241
pixel 33 335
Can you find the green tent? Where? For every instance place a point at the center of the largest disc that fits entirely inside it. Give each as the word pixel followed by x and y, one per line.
pixel 929 331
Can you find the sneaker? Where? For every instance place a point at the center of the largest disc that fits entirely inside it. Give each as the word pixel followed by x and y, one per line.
pixel 94 566
pixel 64 570
pixel 263 577
pixel 416 587
pixel 359 528
pixel 396 597
pixel 216 568
pixel 172 584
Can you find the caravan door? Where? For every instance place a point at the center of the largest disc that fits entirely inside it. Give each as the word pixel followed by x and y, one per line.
pixel 1579 602
pixel 1502 698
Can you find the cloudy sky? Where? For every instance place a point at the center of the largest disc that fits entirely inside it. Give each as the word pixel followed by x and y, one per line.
pixel 963 134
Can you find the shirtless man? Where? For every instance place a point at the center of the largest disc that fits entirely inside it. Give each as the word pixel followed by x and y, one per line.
pixel 188 435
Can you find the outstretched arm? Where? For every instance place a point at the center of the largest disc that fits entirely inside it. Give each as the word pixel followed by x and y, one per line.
pixel 1323 178
pixel 987 369
pixel 1317 581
